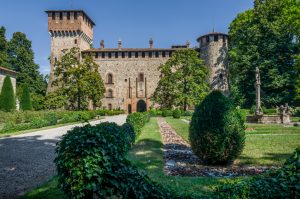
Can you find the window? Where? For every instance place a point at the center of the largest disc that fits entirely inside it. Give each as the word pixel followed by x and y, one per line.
pixel 129 54
pixel 96 55
pixel 207 39
pixel 163 54
pixel 103 55
pixel 150 54
pixel 141 77
pixel 216 38
pixel 55 59
pixel 75 41
pixel 116 54
pixel 143 54
pixel 156 54
pixel 109 55
pixel 109 107
pixel 123 54
pixel 68 16
pixel 110 78
pixel 53 15
pixel 170 54
pixel 136 54
pixel 75 15
pixel 224 38
pixel 61 16
pixel 109 93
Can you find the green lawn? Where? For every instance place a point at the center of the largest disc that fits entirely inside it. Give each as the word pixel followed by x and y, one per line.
pixel 266 144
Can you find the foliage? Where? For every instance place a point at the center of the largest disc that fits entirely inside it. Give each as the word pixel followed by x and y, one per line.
pixel 155 112
pixel 3 48
pixel 217 132
pixel 79 81
pixel 183 82
pixel 7 96
pixel 297 112
pixel 167 113
pixel 129 130
pixel 265 37
pixel 282 183
pixel 187 113
pixel 137 121
pixel 101 171
pixel 25 100
pixel 55 100
pixel 270 111
pixel 176 113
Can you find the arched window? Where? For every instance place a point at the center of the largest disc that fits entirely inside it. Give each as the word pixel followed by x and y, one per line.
pixel 110 93
pixel 141 77
pixel 109 107
pixel 110 78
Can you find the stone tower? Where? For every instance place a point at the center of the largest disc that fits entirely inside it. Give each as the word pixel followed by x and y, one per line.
pixel 68 29
pixel 214 51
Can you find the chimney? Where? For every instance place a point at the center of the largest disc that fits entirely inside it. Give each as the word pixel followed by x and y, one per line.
pixel 102 44
pixel 187 44
pixel 151 42
pixel 120 44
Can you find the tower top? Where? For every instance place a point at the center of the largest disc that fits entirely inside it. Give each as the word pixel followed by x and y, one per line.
pixel 211 34
pixel 72 11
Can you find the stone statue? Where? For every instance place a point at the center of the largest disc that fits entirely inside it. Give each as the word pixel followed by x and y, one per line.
pixel 258 110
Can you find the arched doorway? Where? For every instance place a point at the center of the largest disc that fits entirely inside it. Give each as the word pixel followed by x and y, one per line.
pixel 129 108
pixel 141 106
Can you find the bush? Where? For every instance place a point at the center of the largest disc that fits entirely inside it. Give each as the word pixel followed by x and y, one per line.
pixel 176 113
pixel 282 183
pixel 51 118
pixel 154 112
pixel 128 129
pixel 137 121
pixel 297 112
pixel 217 132
pixel 167 113
pixel 25 101
pixel 90 164
pixel 7 96
pixel 187 113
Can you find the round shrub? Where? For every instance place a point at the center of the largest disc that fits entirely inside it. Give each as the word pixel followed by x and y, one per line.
pixel 90 164
pixel 176 113
pixel 217 132
pixel 128 129
pixel 167 113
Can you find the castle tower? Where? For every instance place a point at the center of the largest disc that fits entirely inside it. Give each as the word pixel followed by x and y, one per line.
pixel 68 29
pixel 214 51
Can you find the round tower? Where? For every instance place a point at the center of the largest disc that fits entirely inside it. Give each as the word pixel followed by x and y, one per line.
pixel 214 51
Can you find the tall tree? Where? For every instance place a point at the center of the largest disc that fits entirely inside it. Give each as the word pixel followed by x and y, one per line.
pixel 79 81
pixel 3 48
pixel 25 101
pixel 184 80
pixel 21 58
pixel 7 96
pixel 263 37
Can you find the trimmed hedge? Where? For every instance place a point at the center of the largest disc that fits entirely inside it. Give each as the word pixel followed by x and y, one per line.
pixel 282 183
pixel 25 100
pixel 167 113
pixel 18 121
pixel 7 96
pixel 91 163
pixel 137 121
pixel 176 113
pixel 217 131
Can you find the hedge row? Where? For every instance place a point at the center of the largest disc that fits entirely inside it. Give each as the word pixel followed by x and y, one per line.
pixel 91 163
pixel 137 121
pixel 168 113
pixel 17 121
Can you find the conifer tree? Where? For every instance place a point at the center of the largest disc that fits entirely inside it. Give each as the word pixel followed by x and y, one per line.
pixel 7 96
pixel 26 103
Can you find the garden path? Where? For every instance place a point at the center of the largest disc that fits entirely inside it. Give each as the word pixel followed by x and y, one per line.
pixel 26 160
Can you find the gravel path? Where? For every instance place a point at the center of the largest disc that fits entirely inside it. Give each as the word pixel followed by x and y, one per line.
pixel 26 160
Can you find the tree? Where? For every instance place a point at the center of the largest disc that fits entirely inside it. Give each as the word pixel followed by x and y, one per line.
pixel 55 100
pixel 184 80
pixel 7 96
pixel 3 48
pixel 21 58
pixel 25 101
pixel 264 37
pixel 79 81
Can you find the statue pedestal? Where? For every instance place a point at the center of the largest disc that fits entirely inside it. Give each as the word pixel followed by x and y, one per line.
pixel 268 119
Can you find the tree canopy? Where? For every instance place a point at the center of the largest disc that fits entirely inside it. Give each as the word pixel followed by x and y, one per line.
pixel 265 37
pixel 79 81
pixel 184 80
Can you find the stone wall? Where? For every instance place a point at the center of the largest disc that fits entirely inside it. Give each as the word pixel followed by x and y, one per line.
pixel 3 74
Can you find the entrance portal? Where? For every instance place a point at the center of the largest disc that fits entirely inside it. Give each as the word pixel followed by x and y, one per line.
pixel 141 106
pixel 129 108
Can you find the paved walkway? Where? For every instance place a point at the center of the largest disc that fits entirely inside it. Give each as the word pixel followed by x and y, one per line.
pixel 26 160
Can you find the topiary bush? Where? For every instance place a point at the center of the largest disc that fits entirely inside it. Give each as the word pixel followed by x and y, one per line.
pixel 25 101
pixel 167 113
pixel 128 129
pixel 176 113
pixel 137 121
pixel 217 131
pixel 91 164
pixel 7 96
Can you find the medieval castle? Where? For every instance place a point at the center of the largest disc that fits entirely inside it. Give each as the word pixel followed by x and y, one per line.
pixel 130 74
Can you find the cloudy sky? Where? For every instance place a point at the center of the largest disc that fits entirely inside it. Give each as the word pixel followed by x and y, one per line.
pixel 168 22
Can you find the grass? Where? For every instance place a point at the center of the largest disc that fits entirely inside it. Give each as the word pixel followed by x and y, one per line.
pixel 266 144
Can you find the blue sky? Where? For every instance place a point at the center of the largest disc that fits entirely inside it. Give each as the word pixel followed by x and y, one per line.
pixel 168 22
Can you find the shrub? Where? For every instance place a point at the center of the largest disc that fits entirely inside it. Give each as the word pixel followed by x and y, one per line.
pixel 128 129
pixel 167 113
pixel 187 113
pixel 137 121
pixel 90 164
pixel 217 132
pixel 155 112
pixel 7 96
pixel 176 113
pixel 282 183
pixel 51 118
pixel 25 101
pixel 297 112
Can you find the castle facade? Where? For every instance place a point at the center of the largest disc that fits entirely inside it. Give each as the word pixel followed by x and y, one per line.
pixel 130 74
